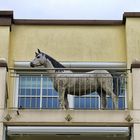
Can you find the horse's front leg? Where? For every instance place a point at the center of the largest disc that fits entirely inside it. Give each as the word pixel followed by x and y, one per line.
pixel 62 97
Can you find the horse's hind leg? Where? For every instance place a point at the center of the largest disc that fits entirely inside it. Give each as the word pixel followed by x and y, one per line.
pixel 102 95
pixel 66 101
pixel 103 101
pixel 115 100
pixel 110 92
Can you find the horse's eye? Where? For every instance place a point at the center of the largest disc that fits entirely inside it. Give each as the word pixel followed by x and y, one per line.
pixel 38 56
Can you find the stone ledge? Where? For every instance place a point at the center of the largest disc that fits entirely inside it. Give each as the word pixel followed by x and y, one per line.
pixel 135 64
pixel 3 63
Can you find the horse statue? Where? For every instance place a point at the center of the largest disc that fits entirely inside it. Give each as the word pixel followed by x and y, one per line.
pixel 66 82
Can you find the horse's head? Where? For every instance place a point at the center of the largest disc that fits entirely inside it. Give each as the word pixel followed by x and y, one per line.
pixel 39 59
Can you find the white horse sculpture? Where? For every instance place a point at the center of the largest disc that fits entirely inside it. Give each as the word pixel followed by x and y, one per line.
pixel 66 82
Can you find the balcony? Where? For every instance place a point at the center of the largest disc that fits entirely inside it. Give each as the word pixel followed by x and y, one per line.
pixel 39 90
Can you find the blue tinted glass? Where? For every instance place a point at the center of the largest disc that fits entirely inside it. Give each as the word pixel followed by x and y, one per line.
pixel 55 93
pixel 121 103
pixel 22 81
pixel 86 103
pixel 28 91
pixel 29 81
pixel 44 103
pixel 49 92
pixel 55 103
pixel 122 91
pixel 77 102
pixel 36 82
pixel 28 101
pixel 47 82
pixel 52 102
pixel 44 91
pixel 21 91
pixel 24 102
pixel 35 91
pixel 21 102
pixel 109 103
pixel 93 103
pixel 35 103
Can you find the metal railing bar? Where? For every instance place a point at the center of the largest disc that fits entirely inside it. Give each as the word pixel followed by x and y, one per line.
pixel 32 99
pixel 81 68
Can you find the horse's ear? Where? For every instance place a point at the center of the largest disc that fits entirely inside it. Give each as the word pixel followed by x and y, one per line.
pixel 39 51
pixel 36 53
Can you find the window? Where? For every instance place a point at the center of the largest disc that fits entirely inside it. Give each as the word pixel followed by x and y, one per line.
pixel 36 91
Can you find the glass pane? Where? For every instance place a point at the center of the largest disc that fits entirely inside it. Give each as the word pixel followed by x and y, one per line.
pixel 29 81
pixel 50 103
pixel 121 103
pixel 28 102
pixel 21 102
pixel 47 82
pixel 109 103
pixel 35 103
pixel 86 102
pixel 22 92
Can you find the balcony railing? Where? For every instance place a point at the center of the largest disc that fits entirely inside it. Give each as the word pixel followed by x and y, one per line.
pixel 40 90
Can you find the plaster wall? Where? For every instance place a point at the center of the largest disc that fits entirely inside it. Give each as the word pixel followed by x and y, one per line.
pixel 69 43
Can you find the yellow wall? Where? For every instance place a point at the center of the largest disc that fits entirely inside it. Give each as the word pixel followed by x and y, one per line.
pixel 4 41
pixel 132 39
pixel 132 48
pixel 69 43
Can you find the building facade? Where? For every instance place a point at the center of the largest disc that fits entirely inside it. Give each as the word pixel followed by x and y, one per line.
pixel 29 105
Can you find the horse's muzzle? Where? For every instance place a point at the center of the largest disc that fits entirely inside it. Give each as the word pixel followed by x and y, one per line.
pixel 32 65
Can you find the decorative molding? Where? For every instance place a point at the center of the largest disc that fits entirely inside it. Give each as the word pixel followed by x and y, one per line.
pixel 129 118
pixel 8 117
pixel 68 118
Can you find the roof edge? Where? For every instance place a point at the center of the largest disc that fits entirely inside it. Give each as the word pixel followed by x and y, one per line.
pixel 6 19
pixel 66 22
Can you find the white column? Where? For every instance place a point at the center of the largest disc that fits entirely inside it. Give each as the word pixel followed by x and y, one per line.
pixel 136 86
pixel 136 99
pixel 3 72
pixel 136 132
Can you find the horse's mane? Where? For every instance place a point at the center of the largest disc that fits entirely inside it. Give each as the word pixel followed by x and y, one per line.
pixel 54 62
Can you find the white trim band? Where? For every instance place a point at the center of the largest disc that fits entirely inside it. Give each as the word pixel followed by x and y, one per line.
pixel 23 130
